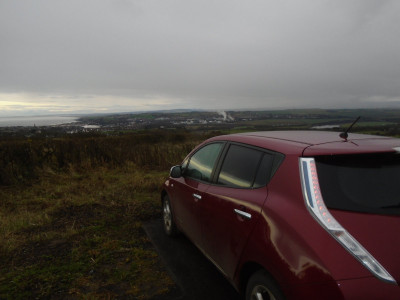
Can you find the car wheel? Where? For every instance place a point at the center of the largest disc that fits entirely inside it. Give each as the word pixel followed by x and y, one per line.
pixel 261 286
pixel 169 224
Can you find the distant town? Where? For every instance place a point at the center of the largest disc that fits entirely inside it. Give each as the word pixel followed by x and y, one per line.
pixel 231 121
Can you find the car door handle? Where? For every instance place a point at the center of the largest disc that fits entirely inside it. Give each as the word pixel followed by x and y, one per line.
pixel 242 213
pixel 197 196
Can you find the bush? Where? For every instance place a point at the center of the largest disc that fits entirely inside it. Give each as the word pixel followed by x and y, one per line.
pixel 22 160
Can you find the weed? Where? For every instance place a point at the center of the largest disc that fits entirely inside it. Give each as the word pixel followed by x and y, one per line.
pixel 79 235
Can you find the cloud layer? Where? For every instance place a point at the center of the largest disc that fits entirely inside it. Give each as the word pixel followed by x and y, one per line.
pixel 119 55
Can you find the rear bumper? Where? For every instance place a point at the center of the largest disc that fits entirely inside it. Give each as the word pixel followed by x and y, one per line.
pixel 362 288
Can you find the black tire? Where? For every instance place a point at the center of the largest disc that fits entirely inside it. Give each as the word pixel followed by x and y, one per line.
pixel 262 286
pixel 168 218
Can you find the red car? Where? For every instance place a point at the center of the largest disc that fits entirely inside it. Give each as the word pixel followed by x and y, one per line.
pixel 293 214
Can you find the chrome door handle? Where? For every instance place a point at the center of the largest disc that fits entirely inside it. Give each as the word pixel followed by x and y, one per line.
pixel 197 196
pixel 242 213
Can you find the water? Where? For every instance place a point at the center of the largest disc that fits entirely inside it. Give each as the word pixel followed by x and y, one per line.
pixel 36 121
pixel 326 127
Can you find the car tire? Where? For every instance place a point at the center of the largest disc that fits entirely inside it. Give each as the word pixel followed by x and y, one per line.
pixel 168 218
pixel 262 286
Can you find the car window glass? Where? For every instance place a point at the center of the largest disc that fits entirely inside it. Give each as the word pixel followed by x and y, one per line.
pixel 239 167
pixel 264 171
pixel 184 163
pixel 363 183
pixel 201 164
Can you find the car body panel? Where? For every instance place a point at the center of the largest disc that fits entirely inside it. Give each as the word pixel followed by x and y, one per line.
pixel 354 146
pixel 227 232
pixel 378 234
pixel 310 137
pixel 188 214
pixel 282 146
pixel 363 288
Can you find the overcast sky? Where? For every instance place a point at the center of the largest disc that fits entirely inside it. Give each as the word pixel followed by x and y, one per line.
pixel 63 56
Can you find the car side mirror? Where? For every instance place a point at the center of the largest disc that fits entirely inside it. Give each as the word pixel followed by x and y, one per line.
pixel 176 172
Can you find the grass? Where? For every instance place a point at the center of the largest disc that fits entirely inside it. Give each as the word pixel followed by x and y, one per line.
pixel 78 235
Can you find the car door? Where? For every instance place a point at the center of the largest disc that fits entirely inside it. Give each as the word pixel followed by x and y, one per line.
pixel 190 188
pixel 233 204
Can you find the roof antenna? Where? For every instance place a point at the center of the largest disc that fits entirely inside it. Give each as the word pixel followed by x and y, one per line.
pixel 344 134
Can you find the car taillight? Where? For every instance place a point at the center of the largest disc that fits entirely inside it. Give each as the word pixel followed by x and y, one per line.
pixel 316 206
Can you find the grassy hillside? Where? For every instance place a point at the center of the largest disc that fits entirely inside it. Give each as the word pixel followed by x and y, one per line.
pixel 71 216
pixel 23 159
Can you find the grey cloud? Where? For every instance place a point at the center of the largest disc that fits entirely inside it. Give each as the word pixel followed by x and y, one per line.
pixel 221 53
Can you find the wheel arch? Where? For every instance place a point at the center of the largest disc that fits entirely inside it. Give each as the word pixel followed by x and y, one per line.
pixel 163 194
pixel 247 270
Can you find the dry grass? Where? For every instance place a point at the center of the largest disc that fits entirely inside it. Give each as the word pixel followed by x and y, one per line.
pixel 78 234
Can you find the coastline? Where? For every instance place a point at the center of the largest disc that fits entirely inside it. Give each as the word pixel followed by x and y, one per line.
pixel 30 121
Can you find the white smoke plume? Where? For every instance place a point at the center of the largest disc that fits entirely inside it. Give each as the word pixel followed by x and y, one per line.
pixel 226 116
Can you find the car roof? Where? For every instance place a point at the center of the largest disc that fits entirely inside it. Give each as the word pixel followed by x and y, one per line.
pixel 311 143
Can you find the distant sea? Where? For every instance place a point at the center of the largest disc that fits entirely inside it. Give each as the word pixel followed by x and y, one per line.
pixel 36 121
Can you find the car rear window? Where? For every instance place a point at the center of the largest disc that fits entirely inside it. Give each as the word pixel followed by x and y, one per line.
pixel 367 183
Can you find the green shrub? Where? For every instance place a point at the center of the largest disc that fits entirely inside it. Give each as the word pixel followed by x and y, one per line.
pixel 22 160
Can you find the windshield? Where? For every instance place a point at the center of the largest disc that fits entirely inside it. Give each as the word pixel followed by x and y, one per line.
pixel 364 183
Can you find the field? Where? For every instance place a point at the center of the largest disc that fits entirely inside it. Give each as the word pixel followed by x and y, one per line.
pixel 71 220
pixel 72 206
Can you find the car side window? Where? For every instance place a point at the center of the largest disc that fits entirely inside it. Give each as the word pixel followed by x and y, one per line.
pixel 202 163
pixel 264 170
pixel 240 167
pixel 184 163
